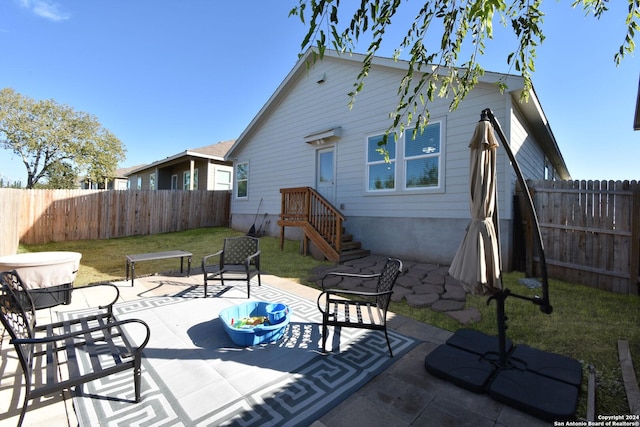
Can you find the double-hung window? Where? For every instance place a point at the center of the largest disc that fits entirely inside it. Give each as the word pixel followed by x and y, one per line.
pixel 412 164
pixel 186 180
pixel 381 174
pixel 422 158
pixel 242 180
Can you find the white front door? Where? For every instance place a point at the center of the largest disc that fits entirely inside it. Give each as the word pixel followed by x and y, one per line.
pixel 326 173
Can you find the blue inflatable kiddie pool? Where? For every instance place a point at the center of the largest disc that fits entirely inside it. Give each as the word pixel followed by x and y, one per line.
pixel 255 322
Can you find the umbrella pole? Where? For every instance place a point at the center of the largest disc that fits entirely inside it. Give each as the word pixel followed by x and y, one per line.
pixel 500 297
pixel 544 303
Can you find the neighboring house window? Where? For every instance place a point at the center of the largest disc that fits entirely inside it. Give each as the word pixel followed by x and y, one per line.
pixel 422 158
pixel 242 180
pixel 223 180
pixel 186 182
pixel 174 182
pixel 152 181
pixel 381 175
pixel 139 185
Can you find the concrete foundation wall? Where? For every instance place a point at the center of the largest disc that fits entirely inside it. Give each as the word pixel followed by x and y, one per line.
pixel 432 240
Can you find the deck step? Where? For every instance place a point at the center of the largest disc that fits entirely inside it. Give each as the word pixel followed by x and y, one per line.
pixel 353 254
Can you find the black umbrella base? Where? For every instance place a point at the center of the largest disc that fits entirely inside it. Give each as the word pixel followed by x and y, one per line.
pixel 542 384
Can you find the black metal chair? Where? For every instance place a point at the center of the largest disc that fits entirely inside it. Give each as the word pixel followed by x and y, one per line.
pixel 239 259
pixel 366 310
pixel 69 353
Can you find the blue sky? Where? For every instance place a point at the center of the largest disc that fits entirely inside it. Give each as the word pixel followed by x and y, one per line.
pixel 168 75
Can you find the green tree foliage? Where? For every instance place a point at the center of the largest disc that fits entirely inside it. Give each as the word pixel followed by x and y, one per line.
pixel 56 143
pixel 60 175
pixel 435 66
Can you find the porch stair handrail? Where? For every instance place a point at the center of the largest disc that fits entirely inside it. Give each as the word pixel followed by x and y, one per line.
pixel 320 221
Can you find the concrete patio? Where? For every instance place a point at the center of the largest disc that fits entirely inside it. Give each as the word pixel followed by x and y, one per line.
pixel 403 395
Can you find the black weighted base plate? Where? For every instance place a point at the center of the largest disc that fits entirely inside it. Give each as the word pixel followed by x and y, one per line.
pixel 540 396
pixel 477 342
pixel 555 366
pixel 545 385
pixel 464 369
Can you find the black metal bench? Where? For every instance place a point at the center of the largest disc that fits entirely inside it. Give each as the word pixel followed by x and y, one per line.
pixel 52 355
pixel 153 256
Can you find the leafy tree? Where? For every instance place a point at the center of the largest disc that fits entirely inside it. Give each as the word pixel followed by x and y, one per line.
pixel 456 26
pixel 53 139
pixel 59 175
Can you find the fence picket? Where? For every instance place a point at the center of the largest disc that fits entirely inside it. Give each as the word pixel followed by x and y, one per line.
pixel 59 215
pixel 588 232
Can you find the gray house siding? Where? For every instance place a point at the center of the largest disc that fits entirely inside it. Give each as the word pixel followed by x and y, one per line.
pixel 424 224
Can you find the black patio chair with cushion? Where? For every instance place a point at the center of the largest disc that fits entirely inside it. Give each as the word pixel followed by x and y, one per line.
pixel 239 259
pixel 66 354
pixel 356 309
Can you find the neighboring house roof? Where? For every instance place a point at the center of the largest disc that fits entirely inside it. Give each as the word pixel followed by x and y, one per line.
pixel 212 152
pixel 122 172
pixel 531 110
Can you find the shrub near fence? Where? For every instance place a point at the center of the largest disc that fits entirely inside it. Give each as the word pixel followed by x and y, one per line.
pixel 61 215
pixel 590 231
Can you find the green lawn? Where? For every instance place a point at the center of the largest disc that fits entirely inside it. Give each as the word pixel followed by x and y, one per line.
pixel 586 323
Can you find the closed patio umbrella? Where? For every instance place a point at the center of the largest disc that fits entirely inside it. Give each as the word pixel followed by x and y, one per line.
pixel 477 262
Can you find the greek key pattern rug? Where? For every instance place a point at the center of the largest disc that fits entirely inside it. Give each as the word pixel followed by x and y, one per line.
pixel 194 375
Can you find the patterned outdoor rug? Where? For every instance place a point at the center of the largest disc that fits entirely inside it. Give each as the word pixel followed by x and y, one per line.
pixel 193 374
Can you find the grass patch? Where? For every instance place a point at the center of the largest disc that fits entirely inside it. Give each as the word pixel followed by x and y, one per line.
pixel 586 323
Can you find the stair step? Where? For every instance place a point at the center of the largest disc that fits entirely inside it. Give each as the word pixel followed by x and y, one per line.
pixel 353 254
pixel 350 245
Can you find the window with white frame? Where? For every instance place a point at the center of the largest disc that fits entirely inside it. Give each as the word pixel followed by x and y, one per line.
pixel 186 182
pixel 152 181
pixel 422 158
pixel 174 182
pixel 242 180
pixel 414 163
pixel 223 179
pixel 139 183
pixel 381 174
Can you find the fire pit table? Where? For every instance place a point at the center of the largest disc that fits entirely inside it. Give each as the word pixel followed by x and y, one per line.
pixel 48 276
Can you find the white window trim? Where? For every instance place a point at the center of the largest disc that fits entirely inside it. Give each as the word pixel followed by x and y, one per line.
pixel 226 184
pixel 441 164
pixel 174 181
pixel 235 180
pixel 401 161
pixel 368 164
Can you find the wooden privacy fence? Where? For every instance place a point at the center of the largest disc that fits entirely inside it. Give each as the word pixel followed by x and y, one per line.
pixel 61 215
pixel 590 231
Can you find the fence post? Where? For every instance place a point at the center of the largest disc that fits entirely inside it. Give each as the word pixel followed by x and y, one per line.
pixel 634 256
pixel 528 236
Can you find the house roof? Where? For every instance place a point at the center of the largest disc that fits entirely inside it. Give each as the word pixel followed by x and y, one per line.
pixel 531 110
pixel 216 151
pixel 122 172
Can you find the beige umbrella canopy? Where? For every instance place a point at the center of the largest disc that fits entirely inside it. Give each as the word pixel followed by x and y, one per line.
pixel 477 262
